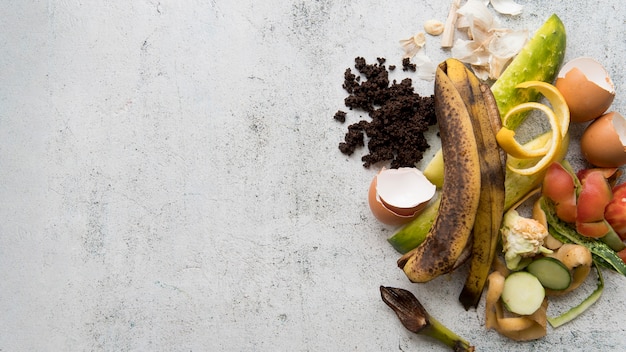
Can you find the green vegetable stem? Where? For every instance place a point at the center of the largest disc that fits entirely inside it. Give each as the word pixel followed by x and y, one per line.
pixel 416 319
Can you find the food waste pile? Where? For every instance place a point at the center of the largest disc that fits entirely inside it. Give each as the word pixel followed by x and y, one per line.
pixel 461 209
pixel 175 176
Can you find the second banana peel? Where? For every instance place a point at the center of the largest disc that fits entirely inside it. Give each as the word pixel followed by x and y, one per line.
pixel 485 118
pixel 472 196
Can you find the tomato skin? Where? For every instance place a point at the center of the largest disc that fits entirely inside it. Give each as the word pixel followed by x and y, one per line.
pixel 615 211
pixel 595 195
pixel 622 254
pixel 559 186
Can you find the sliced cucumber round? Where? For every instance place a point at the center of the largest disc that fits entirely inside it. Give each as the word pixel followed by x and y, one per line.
pixel 522 293
pixel 551 272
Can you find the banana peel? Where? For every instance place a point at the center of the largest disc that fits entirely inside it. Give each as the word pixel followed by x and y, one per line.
pixel 460 193
pixel 483 112
pixel 520 176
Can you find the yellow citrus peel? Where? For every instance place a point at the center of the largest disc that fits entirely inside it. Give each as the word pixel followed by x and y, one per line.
pixel 558 117
pixel 555 98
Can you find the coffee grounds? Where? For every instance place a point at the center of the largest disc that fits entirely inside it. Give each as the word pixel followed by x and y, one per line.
pixel 407 65
pixel 399 117
pixel 340 116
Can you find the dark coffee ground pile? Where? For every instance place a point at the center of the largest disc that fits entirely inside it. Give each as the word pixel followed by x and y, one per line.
pixel 407 65
pixel 399 117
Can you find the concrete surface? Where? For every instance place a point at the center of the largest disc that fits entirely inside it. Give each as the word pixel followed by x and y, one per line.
pixel 170 178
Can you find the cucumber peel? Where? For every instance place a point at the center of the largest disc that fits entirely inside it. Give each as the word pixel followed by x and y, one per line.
pixel 539 60
pixel 414 233
pixel 574 312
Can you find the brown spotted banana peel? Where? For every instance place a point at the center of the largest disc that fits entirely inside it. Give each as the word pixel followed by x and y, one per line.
pixel 485 117
pixel 452 227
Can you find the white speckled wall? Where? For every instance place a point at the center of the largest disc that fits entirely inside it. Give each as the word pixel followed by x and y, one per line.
pixel 170 178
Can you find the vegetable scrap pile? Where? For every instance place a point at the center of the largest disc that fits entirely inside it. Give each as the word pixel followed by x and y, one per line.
pixel 578 220
pixel 399 116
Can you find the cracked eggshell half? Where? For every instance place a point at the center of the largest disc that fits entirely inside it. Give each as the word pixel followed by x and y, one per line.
pixel 586 87
pixel 603 142
pixel 397 196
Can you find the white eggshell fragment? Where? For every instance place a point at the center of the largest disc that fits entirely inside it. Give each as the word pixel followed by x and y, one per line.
pixel 396 196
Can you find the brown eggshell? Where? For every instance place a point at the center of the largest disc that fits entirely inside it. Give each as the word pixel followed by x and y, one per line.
pixel 380 212
pixel 586 87
pixel 387 213
pixel 600 144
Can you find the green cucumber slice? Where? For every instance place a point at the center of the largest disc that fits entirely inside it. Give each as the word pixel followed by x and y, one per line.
pixel 551 272
pixel 522 294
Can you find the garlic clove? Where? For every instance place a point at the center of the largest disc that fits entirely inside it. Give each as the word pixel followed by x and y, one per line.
pixel 490 48
pixel 433 27
pixel 413 45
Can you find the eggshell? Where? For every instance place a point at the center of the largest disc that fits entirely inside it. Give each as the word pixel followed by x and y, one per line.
pixel 586 87
pixel 408 190
pixel 603 142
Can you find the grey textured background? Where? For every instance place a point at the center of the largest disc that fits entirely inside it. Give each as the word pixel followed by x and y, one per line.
pixel 170 178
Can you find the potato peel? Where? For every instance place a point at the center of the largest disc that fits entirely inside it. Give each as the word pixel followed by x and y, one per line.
pixel 513 326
